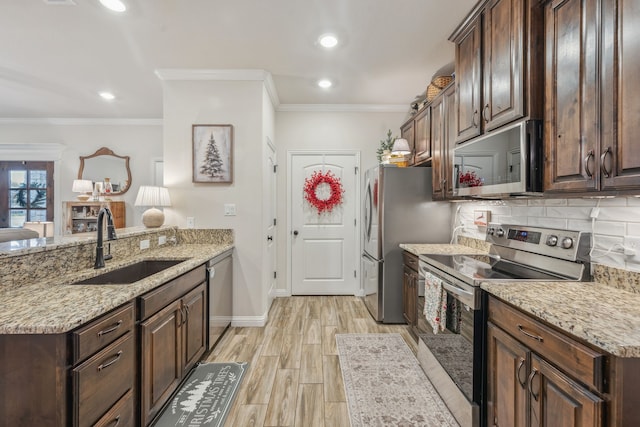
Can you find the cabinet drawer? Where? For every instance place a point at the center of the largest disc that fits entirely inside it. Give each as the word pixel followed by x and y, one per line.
pixel 410 260
pixel 102 380
pixel 121 414
pixel 577 360
pixel 102 332
pixel 157 299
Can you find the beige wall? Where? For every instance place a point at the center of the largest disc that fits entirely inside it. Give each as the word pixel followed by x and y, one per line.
pixel 359 131
pixel 141 140
pixel 239 103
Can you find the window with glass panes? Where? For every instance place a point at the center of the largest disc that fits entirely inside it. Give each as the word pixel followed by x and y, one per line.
pixel 26 190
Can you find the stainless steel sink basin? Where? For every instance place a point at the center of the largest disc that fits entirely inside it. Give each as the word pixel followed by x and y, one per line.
pixel 131 273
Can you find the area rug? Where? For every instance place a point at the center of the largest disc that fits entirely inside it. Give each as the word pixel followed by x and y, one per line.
pixel 205 397
pixel 385 385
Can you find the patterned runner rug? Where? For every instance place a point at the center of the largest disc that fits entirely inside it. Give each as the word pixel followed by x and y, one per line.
pixel 385 384
pixel 205 397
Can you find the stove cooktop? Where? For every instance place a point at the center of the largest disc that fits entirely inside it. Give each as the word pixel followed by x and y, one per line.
pixel 477 268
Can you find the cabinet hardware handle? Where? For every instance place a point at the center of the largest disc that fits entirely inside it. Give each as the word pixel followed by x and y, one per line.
pixel 523 384
pixel 484 113
pixel 117 421
pixel 603 167
pixel 473 119
pixel 534 372
pixel 111 329
pixel 590 154
pixel 529 334
pixel 111 362
pixel 212 272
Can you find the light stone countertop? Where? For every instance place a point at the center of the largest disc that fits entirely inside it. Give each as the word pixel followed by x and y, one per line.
pixel 54 306
pixel 440 248
pixel 600 314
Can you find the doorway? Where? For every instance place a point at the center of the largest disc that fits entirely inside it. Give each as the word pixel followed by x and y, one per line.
pixel 323 242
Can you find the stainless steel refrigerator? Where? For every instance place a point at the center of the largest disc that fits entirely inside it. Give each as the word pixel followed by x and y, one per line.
pixel 398 208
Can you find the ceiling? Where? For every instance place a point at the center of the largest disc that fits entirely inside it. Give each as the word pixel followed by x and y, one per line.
pixel 54 59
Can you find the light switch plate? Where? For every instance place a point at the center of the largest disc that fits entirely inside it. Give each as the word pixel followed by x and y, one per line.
pixel 144 244
pixel 162 240
pixel 229 209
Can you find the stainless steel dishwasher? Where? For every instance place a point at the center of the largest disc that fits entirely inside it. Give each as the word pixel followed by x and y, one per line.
pixel 220 278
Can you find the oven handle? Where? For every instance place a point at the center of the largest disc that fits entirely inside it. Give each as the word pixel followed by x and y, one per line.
pixel 455 289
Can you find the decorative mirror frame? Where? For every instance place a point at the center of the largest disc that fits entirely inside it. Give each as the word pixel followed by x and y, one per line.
pixel 104 151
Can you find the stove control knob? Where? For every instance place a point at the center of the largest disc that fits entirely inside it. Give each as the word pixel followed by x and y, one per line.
pixel 499 232
pixel 490 231
pixel 567 242
pixel 552 240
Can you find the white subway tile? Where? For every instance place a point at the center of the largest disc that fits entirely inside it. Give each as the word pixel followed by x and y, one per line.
pixel 610 228
pixel 633 229
pixel 527 211
pixel 548 222
pixel 579 225
pixel 568 212
pixel 623 214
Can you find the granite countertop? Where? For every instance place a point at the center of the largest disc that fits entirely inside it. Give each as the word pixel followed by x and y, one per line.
pixel 442 248
pixel 54 306
pixel 600 314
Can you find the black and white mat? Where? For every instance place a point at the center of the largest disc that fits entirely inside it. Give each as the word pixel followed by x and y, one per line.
pixel 205 397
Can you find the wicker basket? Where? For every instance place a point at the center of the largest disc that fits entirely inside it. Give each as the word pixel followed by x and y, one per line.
pixel 437 84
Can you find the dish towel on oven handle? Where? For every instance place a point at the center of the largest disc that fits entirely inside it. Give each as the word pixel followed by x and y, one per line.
pixel 435 302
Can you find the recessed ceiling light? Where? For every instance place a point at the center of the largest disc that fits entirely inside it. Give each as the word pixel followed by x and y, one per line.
pixel 108 96
pixel 115 5
pixel 325 83
pixel 328 40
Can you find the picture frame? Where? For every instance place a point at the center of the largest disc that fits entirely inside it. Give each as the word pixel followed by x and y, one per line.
pixel 212 153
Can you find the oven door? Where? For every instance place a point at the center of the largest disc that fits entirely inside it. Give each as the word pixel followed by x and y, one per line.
pixel 453 355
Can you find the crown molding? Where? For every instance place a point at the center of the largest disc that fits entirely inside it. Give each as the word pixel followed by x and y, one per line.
pixel 32 151
pixel 344 108
pixel 79 121
pixel 229 75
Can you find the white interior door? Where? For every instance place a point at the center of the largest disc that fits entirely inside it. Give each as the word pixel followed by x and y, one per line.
pixel 271 222
pixel 324 253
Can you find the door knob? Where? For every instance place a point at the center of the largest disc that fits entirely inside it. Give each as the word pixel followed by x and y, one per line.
pixel 295 232
pixel 270 238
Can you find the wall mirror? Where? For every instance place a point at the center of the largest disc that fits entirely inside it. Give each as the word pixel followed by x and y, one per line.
pixel 104 163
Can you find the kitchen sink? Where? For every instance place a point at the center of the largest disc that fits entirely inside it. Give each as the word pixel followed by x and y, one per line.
pixel 131 273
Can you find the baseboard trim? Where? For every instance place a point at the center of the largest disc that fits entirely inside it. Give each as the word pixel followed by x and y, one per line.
pixel 249 321
pixel 281 293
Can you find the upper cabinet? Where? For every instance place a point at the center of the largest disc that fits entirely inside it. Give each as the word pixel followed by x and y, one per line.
pixel 498 54
pixel 592 61
pixel 407 131
pixel 442 138
pixel 417 130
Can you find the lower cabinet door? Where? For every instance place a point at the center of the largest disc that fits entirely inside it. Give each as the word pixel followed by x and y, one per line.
pixel 558 401
pixel 161 363
pixel 507 367
pixel 194 326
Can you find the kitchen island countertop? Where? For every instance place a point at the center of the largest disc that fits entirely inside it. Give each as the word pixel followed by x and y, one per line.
pixel 54 305
pixel 600 314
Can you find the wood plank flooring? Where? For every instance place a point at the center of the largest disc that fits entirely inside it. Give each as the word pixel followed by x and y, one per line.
pixel 294 376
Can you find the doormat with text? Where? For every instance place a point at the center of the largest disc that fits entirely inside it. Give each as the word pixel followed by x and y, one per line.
pixel 205 397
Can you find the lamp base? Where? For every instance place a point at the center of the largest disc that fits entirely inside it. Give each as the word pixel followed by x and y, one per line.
pixel 83 197
pixel 153 218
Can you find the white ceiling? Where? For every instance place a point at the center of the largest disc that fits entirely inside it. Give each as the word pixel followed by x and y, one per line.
pixel 55 59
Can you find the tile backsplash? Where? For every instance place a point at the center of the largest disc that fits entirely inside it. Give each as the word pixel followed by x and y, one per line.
pixel 616 219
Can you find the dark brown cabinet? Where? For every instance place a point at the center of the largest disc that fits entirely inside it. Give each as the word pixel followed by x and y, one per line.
pixel 407 131
pixel 537 376
pixel 409 295
pixel 172 337
pixel 591 126
pixel 498 54
pixel 422 136
pixel 442 139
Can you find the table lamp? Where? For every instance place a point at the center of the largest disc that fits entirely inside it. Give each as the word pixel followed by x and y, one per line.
pixel 153 197
pixel 82 186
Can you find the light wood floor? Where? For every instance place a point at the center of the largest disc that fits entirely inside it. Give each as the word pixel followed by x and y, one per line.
pixel 294 376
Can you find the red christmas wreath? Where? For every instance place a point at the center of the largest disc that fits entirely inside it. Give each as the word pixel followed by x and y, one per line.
pixel 334 197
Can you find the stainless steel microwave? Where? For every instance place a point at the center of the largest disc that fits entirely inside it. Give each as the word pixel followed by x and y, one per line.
pixel 503 162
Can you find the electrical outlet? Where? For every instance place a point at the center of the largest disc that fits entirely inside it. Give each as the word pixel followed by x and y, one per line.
pixel 191 222
pixel 144 244
pixel 162 240
pixel 632 249
pixel 229 209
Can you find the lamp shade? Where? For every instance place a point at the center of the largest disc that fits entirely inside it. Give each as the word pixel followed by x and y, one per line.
pixel 153 196
pixel 401 146
pixel 82 186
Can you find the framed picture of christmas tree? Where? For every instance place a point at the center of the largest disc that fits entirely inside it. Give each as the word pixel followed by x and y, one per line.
pixel 212 149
